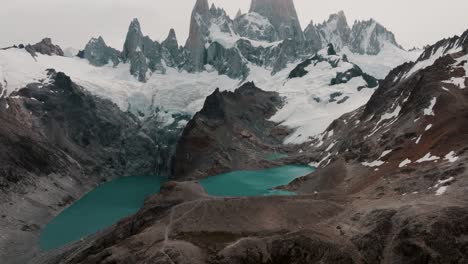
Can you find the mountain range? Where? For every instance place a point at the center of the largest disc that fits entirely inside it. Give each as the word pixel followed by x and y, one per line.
pixel 269 35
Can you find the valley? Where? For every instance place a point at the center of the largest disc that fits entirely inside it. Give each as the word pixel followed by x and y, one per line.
pixel 256 141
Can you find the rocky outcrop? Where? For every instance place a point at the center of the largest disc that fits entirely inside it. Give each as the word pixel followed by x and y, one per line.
pixel 45 47
pixel 57 142
pixel 335 31
pixel 227 61
pixel 238 120
pixel 99 54
pixel 199 26
pixel 282 15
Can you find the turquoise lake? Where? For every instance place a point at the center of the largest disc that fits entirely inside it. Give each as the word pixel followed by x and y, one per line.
pixel 112 201
pixel 254 183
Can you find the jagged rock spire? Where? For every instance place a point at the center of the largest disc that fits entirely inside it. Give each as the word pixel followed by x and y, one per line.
pixel 368 37
pixel 171 37
pixel 133 39
pixel 335 31
pixel 99 54
pixel 239 14
pixel 195 44
pixel 282 15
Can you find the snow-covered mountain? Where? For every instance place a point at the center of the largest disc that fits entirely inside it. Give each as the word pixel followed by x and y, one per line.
pixel 262 46
pixel 269 35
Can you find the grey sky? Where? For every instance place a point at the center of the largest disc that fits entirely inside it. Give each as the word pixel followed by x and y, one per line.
pixel 74 22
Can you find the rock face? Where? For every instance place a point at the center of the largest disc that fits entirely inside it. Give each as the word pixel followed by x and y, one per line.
pixel 171 52
pixel 142 53
pixel 99 54
pixel 365 37
pixel 239 120
pixel 199 26
pixel 256 27
pixel 282 15
pixel 368 37
pixel 45 47
pixel 57 142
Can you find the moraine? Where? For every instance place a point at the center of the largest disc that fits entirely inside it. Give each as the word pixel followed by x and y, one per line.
pixel 112 201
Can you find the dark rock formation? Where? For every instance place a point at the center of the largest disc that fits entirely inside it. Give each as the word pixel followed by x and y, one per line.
pixel 57 142
pixel 45 47
pixel 195 44
pixel 227 61
pixel 99 54
pixel 238 120
pixel 171 52
pixel 142 53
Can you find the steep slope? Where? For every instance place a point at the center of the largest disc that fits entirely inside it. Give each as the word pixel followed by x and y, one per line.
pixel 282 15
pixel 369 37
pixel 231 132
pixel 57 142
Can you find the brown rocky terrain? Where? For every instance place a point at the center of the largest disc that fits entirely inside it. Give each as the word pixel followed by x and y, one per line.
pixel 231 132
pixel 391 187
pixel 57 142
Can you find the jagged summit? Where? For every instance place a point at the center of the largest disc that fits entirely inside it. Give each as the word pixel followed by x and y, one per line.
pixel 335 30
pixel 239 13
pixel 269 36
pixel 46 47
pixel 99 54
pixel 368 37
pixel 282 15
pixel 171 36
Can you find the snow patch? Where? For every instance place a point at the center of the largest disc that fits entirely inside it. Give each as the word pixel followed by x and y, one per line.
pixel 451 157
pixel 418 140
pixel 442 190
pixel 430 110
pixel 404 163
pixel 427 157
pixel 378 162
pixel 428 127
pixel 381 64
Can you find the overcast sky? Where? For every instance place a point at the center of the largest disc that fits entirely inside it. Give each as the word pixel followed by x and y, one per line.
pixel 74 22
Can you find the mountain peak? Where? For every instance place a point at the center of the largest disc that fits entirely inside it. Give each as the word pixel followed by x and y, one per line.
pixel 135 26
pixel 282 15
pixel 201 7
pixel 171 35
pixel 369 36
pixel 339 16
pixel 239 13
